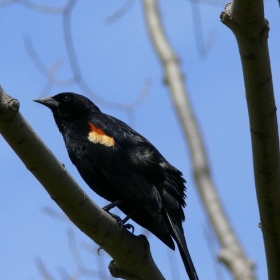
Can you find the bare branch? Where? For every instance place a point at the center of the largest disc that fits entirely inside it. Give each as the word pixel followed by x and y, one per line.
pixel 131 254
pixel 246 19
pixel 212 245
pixel 77 78
pixel 81 269
pixel 6 3
pixel 55 214
pixel 49 73
pixel 237 262
pixel 202 46
pixel 173 265
pixel 74 249
pixel 120 13
pixel 72 56
pixel 39 7
pixel 43 270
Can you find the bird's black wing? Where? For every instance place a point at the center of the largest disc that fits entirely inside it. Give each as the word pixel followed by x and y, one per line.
pixel 127 160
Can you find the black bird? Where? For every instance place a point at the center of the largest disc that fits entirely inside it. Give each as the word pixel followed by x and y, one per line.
pixel 123 167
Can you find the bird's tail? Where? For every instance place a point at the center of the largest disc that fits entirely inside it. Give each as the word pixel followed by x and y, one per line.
pixel 179 237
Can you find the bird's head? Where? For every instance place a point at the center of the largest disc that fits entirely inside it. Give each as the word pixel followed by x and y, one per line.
pixel 68 107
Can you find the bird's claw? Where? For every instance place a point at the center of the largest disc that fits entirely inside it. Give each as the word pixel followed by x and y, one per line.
pixel 128 227
pixel 98 250
pixel 121 225
pixel 119 222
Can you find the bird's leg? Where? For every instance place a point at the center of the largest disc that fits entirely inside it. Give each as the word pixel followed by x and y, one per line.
pixel 111 205
pixel 120 222
pixel 129 216
pixel 129 226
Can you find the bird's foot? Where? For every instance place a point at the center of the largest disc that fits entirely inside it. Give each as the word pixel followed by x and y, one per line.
pixel 117 219
pixel 122 223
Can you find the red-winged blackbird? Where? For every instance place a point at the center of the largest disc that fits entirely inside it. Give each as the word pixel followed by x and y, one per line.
pixel 123 167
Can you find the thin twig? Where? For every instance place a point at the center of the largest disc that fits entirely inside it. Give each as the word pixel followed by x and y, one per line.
pixel 202 46
pixel 43 270
pixel 50 73
pixel 40 7
pixel 120 13
pixel 55 214
pixel 76 69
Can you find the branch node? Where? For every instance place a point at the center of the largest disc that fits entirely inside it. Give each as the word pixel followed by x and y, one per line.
pixel 10 106
pixel 226 17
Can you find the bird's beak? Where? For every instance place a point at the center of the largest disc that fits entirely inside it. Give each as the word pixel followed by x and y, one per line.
pixel 48 102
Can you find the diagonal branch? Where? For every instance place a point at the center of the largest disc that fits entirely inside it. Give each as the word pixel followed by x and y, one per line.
pixel 131 254
pixel 232 253
pixel 246 19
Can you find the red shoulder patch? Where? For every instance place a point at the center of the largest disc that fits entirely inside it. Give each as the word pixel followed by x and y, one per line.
pixel 97 135
pixel 95 129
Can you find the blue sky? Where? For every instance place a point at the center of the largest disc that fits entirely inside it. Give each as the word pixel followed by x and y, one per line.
pixel 116 61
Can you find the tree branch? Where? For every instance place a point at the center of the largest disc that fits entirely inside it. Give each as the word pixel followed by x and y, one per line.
pixel 131 254
pixel 246 19
pixel 74 63
pixel 232 253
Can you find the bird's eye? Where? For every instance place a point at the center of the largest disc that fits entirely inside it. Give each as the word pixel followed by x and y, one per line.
pixel 66 98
